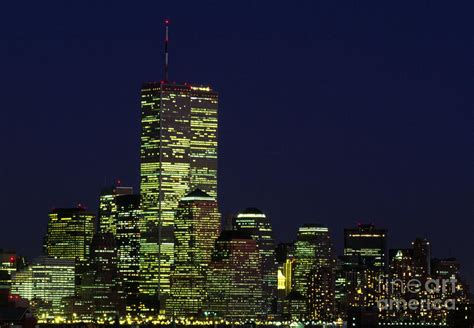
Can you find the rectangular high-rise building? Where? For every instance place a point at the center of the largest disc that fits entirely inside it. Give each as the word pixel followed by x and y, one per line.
pixel 314 269
pixel 107 217
pixel 234 278
pixel 46 282
pixel 178 154
pixel 197 226
pixel 69 234
pixel 366 245
pixel 128 250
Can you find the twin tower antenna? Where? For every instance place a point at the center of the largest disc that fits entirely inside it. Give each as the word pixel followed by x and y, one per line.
pixel 167 23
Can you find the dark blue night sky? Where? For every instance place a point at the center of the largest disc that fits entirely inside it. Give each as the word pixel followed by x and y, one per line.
pixel 330 112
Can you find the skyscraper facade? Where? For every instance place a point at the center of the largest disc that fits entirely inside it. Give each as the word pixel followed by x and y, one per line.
pixel 364 260
pixel 234 281
pixel 315 270
pixel 197 226
pixel 421 257
pixel 366 245
pixel 313 248
pixel 99 281
pixel 46 282
pixel 69 234
pixel 178 154
pixel 128 250
pixel 107 216
pixel 254 222
pixel 321 293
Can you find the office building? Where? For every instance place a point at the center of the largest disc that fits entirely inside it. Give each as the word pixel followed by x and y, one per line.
pixel 8 266
pixel 421 257
pixel 101 279
pixel 366 245
pixel 178 153
pixel 128 251
pixel 234 280
pixel 313 249
pixel 255 223
pixel 321 294
pixel 46 283
pixel 197 226
pixel 69 234
pixel 107 217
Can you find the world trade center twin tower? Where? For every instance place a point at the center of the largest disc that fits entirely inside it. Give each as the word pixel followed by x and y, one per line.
pixel 178 154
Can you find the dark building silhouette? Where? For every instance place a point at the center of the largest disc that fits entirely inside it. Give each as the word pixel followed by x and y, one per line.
pixel 107 216
pixel 128 251
pixel 366 245
pixel 422 257
pixel 69 234
pixel 254 222
pixel 234 280
pixel 314 270
pixel 100 282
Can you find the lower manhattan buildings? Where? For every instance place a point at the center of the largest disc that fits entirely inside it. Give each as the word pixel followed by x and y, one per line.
pixel 161 256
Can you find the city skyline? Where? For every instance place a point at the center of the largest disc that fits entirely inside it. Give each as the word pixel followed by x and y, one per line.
pixel 368 165
pixel 224 274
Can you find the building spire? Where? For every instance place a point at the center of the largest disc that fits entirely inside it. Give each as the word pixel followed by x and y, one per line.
pixel 167 23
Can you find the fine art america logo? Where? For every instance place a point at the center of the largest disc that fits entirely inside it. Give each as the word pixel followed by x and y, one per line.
pixel 430 294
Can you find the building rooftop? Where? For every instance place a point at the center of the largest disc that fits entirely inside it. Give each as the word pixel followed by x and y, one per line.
pixel 251 210
pixel 228 235
pixel 197 194
pixel 70 210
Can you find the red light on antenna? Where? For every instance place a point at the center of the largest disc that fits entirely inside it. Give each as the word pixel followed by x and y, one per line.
pixel 167 21
pixel 12 259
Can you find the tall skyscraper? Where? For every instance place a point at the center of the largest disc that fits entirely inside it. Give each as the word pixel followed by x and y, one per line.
pixel 364 260
pixel 314 270
pixel 178 154
pixel 255 223
pixel 128 250
pixel 234 281
pixel 197 226
pixel 366 245
pixel 69 234
pixel 107 216
pixel 422 257
pixel 99 281
pixel 313 248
